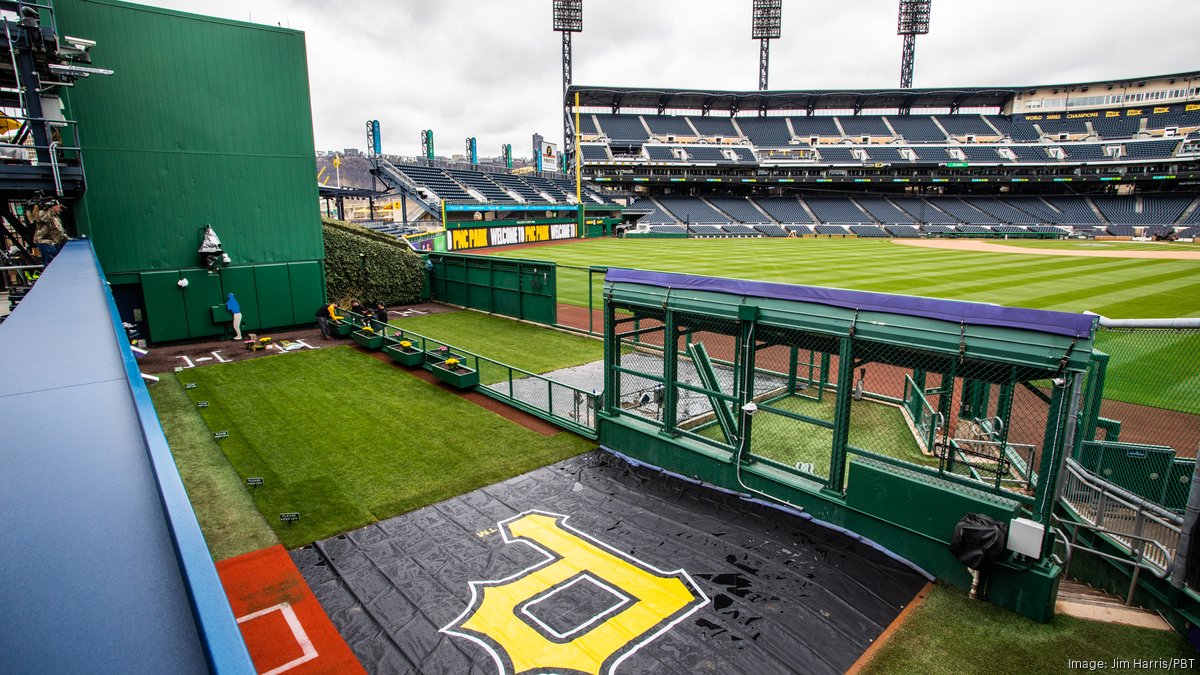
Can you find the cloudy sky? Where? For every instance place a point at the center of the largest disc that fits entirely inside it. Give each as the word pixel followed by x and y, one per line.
pixel 491 68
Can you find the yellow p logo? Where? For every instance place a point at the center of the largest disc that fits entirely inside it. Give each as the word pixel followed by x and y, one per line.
pixel 638 602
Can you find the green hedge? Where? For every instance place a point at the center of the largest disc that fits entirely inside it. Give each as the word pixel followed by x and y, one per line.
pixel 364 265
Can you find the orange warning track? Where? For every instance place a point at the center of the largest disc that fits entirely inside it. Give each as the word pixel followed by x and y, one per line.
pixel 284 626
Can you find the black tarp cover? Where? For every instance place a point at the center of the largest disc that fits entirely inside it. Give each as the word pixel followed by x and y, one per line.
pixel 591 565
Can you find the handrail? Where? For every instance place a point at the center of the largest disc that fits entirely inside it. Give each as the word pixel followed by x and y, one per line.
pixel 1125 519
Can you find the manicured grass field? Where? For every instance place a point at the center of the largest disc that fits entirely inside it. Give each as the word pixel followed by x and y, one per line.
pixel 230 522
pixel 951 634
pixel 1092 245
pixel 1114 287
pixel 345 439
pixel 519 344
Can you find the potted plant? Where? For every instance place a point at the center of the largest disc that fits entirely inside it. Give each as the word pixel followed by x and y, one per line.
pixel 453 372
pixel 406 353
pixel 343 326
pixel 368 337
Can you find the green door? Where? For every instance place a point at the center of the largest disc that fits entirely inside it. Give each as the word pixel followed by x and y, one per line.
pixel 240 282
pixel 274 291
pixel 202 293
pixel 308 290
pixel 164 306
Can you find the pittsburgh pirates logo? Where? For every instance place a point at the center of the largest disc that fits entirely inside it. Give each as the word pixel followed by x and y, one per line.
pixel 609 604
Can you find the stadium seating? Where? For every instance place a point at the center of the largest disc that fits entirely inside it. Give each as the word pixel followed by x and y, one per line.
pixel 886 153
pixel 1021 132
pixel 807 127
pixel 657 215
pixel 744 155
pixel 1150 149
pixel 660 153
pixel 1054 128
pixel 437 181
pixel 831 230
pixel 1157 230
pixel 837 155
pixel 869 231
pixel 766 132
pixel 968 228
pixel 1185 119
pixel 705 154
pixel 922 211
pixel 691 210
pixel 587 126
pixel 715 126
pixel 903 231
pixel 966 125
pixel 784 209
pixel 1047 229
pixel 1008 229
pixel 883 210
pixel 978 154
pixel 1085 152
pixel 1189 233
pixel 1119 230
pixel 668 229
pixel 663 125
pixel 771 230
pixel 481 184
pixel 917 129
pixel 1156 209
pixel 1038 210
pixel 836 210
pixel 1193 217
pixel 933 228
pixel 799 230
pixel 857 126
pixel 519 186
pixel 594 153
pixel 1074 210
pixel 707 230
pixel 964 211
pixel 741 230
pixel 739 209
pixel 623 128
pixel 1030 153
pixel 932 155
pixel 1116 127
pixel 1003 212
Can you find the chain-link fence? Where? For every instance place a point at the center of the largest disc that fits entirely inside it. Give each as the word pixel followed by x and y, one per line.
pixel 819 399
pixel 581 298
pixel 1140 427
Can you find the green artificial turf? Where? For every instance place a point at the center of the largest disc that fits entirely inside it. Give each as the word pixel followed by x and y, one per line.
pixel 346 439
pixel 950 634
pixel 1124 288
pixel 230 522
pixel 529 347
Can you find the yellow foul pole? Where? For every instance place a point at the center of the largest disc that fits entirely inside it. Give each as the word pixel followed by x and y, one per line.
pixel 578 173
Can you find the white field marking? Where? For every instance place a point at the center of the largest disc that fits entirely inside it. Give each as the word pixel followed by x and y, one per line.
pixel 638 643
pixel 217 355
pixel 187 361
pixel 623 598
pixel 203 358
pixel 304 344
pixel 308 651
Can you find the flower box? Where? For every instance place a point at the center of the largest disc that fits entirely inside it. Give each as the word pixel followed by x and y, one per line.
pixel 368 339
pixel 343 328
pixel 457 376
pixel 410 356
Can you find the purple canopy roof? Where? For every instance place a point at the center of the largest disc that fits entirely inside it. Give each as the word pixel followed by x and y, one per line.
pixel 973 313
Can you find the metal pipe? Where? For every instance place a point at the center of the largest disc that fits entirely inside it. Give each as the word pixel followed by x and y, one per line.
pixel 1149 323
pixel 1191 518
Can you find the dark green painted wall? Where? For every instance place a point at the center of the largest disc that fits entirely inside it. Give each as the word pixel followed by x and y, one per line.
pixel 204 121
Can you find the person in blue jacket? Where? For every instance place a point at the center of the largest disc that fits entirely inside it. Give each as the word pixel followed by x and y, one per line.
pixel 235 309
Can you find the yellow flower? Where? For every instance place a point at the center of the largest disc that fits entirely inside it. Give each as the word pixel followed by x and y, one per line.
pixel 451 362
pixel 406 344
pixel 368 329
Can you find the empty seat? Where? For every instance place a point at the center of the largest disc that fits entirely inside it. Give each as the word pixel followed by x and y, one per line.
pixel 903 231
pixel 1116 127
pixel 837 155
pixel 836 210
pixel 692 210
pixel 883 210
pixel 623 128
pixel 831 229
pixel 739 209
pixel 784 209
pixel 981 154
pixel 594 153
pixel 1150 149
pixel 660 153
pixel 715 126
pixel 706 154
pixel 869 231
pixel 662 125
pixel 965 125
pixel 766 132
pixel 771 230
pixel 1018 131
pixel 917 129
pixel 857 126
pixel 807 127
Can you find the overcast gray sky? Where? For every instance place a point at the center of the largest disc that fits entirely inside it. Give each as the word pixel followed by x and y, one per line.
pixel 491 68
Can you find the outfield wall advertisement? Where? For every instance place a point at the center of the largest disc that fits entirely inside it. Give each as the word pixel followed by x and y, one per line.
pixel 481 237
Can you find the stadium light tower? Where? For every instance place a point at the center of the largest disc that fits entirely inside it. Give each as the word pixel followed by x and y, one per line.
pixel 914 21
pixel 568 18
pixel 765 26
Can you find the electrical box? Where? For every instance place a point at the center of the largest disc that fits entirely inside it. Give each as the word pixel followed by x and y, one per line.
pixel 1025 537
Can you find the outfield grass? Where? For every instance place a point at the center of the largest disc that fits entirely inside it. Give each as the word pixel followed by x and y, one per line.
pixel 874 426
pixel 952 635
pixel 1115 287
pixel 346 440
pixel 532 348
pixel 230 522
pixel 1092 245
